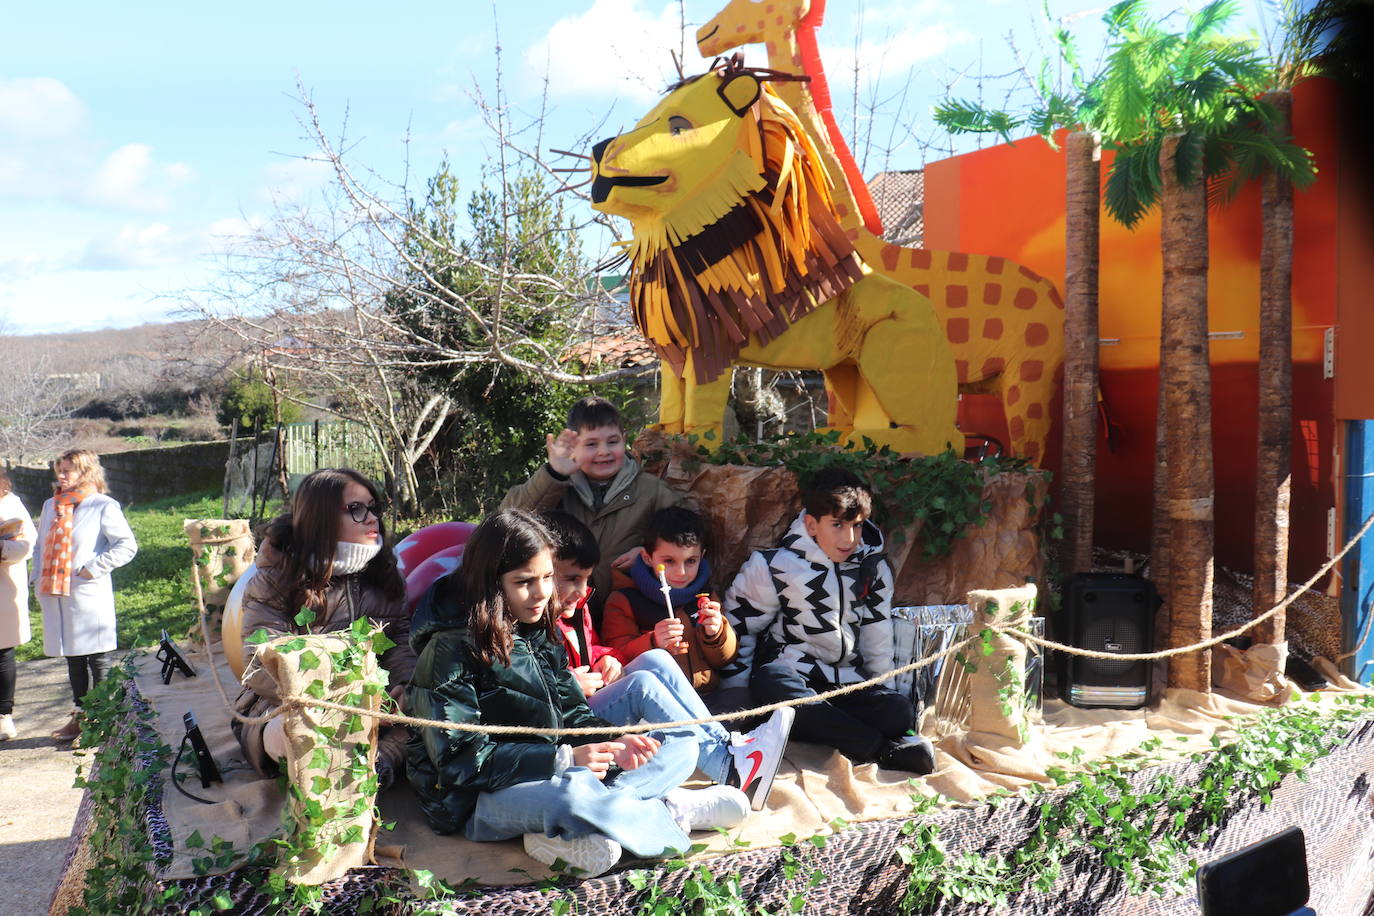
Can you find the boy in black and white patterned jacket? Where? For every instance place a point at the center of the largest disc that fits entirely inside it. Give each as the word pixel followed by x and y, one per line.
pixel 815 613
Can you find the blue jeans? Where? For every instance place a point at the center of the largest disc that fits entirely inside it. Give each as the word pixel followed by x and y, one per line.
pixel 654 689
pixel 628 807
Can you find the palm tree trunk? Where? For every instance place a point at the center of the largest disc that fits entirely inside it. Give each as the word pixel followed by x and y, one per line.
pixel 1159 518
pixel 1188 436
pixel 1082 205
pixel 1273 470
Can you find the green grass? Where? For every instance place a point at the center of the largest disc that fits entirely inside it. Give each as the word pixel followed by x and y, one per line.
pixel 154 590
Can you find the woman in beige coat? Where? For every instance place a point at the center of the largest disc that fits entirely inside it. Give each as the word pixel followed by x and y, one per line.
pixel 16 544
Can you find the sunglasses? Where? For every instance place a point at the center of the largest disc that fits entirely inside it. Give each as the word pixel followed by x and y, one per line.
pixel 360 511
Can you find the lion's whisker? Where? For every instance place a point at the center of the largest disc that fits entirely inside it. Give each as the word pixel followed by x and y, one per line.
pixel 578 168
pixel 563 152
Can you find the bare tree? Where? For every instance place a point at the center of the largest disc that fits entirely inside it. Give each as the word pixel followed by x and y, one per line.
pixel 368 303
pixel 33 408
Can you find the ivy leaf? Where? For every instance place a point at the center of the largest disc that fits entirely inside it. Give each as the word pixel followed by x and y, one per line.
pixel 195 840
pixel 309 661
pixel 259 637
pixel 304 617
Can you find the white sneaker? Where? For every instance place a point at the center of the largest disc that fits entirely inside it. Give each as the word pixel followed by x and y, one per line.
pixel 590 855
pixel 7 729
pixel 710 808
pixel 758 754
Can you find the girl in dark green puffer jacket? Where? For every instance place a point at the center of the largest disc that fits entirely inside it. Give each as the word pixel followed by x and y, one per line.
pixel 489 654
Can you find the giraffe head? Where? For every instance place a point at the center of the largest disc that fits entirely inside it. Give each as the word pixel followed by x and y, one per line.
pixel 745 22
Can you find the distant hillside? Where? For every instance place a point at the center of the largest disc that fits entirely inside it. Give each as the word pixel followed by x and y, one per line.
pixel 176 352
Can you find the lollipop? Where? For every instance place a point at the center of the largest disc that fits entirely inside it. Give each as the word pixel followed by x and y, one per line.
pixel 664 587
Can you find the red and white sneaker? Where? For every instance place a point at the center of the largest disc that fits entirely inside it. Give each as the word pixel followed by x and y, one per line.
pixel 758 754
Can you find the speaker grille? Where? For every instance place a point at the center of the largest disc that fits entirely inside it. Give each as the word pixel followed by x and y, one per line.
pixel 1108 612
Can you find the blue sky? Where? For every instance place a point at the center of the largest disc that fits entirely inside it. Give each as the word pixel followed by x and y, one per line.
pixel 136 138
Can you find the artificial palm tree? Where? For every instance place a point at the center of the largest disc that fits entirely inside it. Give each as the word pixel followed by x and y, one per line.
pixel 1061 107
pixel 1292 60
pixel 1182 113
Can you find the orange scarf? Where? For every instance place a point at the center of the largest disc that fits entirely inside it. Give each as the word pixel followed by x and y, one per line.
pixel 56 576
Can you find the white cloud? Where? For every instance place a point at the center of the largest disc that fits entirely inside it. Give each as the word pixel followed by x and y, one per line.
pixel 615 50
pixel 135 247
pixel 130 179
pixel 39 107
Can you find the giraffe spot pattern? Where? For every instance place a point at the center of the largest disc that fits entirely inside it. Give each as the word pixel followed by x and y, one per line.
pixel 1032 370
pixel 920 258
pixel 1025 298
pixel 958 260
pixel 992 366
pixel 992 293
pixel 957 330
pixel 1033 451
pixel 992 329
pixel 956 296
pixel 996 265
pixel 923 289
pixel 889 255
pixel 1013 395
pixel 1017 427
pixel 961 370
pixel 1035 411
pixel 1037 334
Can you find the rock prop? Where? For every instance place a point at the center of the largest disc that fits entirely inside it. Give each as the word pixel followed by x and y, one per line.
pixel 748 508
pixel 221 550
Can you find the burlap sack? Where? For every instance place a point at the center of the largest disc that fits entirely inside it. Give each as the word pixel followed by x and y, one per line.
pixel 1000 735
pixel 221 549
pixel 1255 674
pixel 331 763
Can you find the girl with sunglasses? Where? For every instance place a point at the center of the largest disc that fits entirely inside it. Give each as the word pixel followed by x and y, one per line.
pixel 490 653
pixel 327 555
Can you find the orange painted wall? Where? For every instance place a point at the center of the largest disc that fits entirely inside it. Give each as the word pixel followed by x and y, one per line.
pixel 1009 200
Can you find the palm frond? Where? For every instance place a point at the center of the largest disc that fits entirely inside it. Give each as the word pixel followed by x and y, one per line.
pixel 961 116
pixel 1207 22
pixel 1133 182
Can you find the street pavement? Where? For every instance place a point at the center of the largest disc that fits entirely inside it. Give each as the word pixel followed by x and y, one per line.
pixel 37 799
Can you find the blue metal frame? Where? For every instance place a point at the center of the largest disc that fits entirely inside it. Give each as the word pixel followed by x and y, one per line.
pixel 1357 586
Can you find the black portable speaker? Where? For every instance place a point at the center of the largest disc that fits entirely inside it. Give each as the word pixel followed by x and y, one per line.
pixel 1108 612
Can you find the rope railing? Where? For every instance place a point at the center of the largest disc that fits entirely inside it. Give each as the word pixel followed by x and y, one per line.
pixel 295 701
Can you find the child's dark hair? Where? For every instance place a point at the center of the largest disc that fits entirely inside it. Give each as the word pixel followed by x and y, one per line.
pixel 678 526
pixel 592 412
pixel 837 492
pixel 573 542
pixel 504 541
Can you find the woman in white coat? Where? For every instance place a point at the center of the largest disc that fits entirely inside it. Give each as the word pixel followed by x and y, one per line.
pixel 16 543
pixel 82 536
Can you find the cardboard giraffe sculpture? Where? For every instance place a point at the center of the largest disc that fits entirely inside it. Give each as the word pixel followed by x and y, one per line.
pixel 737 257
pixel 1004 323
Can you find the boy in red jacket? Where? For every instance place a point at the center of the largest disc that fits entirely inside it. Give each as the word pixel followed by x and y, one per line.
pixel 652 687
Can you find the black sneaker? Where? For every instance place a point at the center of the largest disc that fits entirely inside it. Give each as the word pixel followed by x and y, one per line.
pixel 911 753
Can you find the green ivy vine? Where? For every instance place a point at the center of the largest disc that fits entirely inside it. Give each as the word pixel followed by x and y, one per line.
pixel 1144 829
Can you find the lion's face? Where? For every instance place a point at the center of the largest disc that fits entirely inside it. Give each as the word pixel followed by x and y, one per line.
pixel 694 145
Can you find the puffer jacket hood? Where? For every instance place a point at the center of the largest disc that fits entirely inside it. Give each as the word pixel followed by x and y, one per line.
pixel 433 614
pixel 796 539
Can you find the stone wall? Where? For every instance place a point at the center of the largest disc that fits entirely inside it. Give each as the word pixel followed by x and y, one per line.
pixel 139 476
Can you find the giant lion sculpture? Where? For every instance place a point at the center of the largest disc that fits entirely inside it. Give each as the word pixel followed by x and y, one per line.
pixel 737 257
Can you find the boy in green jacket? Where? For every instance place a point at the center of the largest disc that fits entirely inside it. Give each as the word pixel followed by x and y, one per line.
pixel 589 476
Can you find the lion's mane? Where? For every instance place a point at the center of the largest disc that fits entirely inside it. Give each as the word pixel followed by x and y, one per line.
pixel 701 288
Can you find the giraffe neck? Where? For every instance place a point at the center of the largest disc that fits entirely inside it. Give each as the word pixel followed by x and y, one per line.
pixel 794 50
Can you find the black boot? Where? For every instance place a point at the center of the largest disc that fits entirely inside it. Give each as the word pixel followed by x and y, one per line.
pixel 911 753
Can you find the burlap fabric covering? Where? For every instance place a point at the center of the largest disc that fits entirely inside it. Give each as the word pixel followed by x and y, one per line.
pixel 331 754
pixel 1000 736
pixel 1255 674
pixel 221 549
